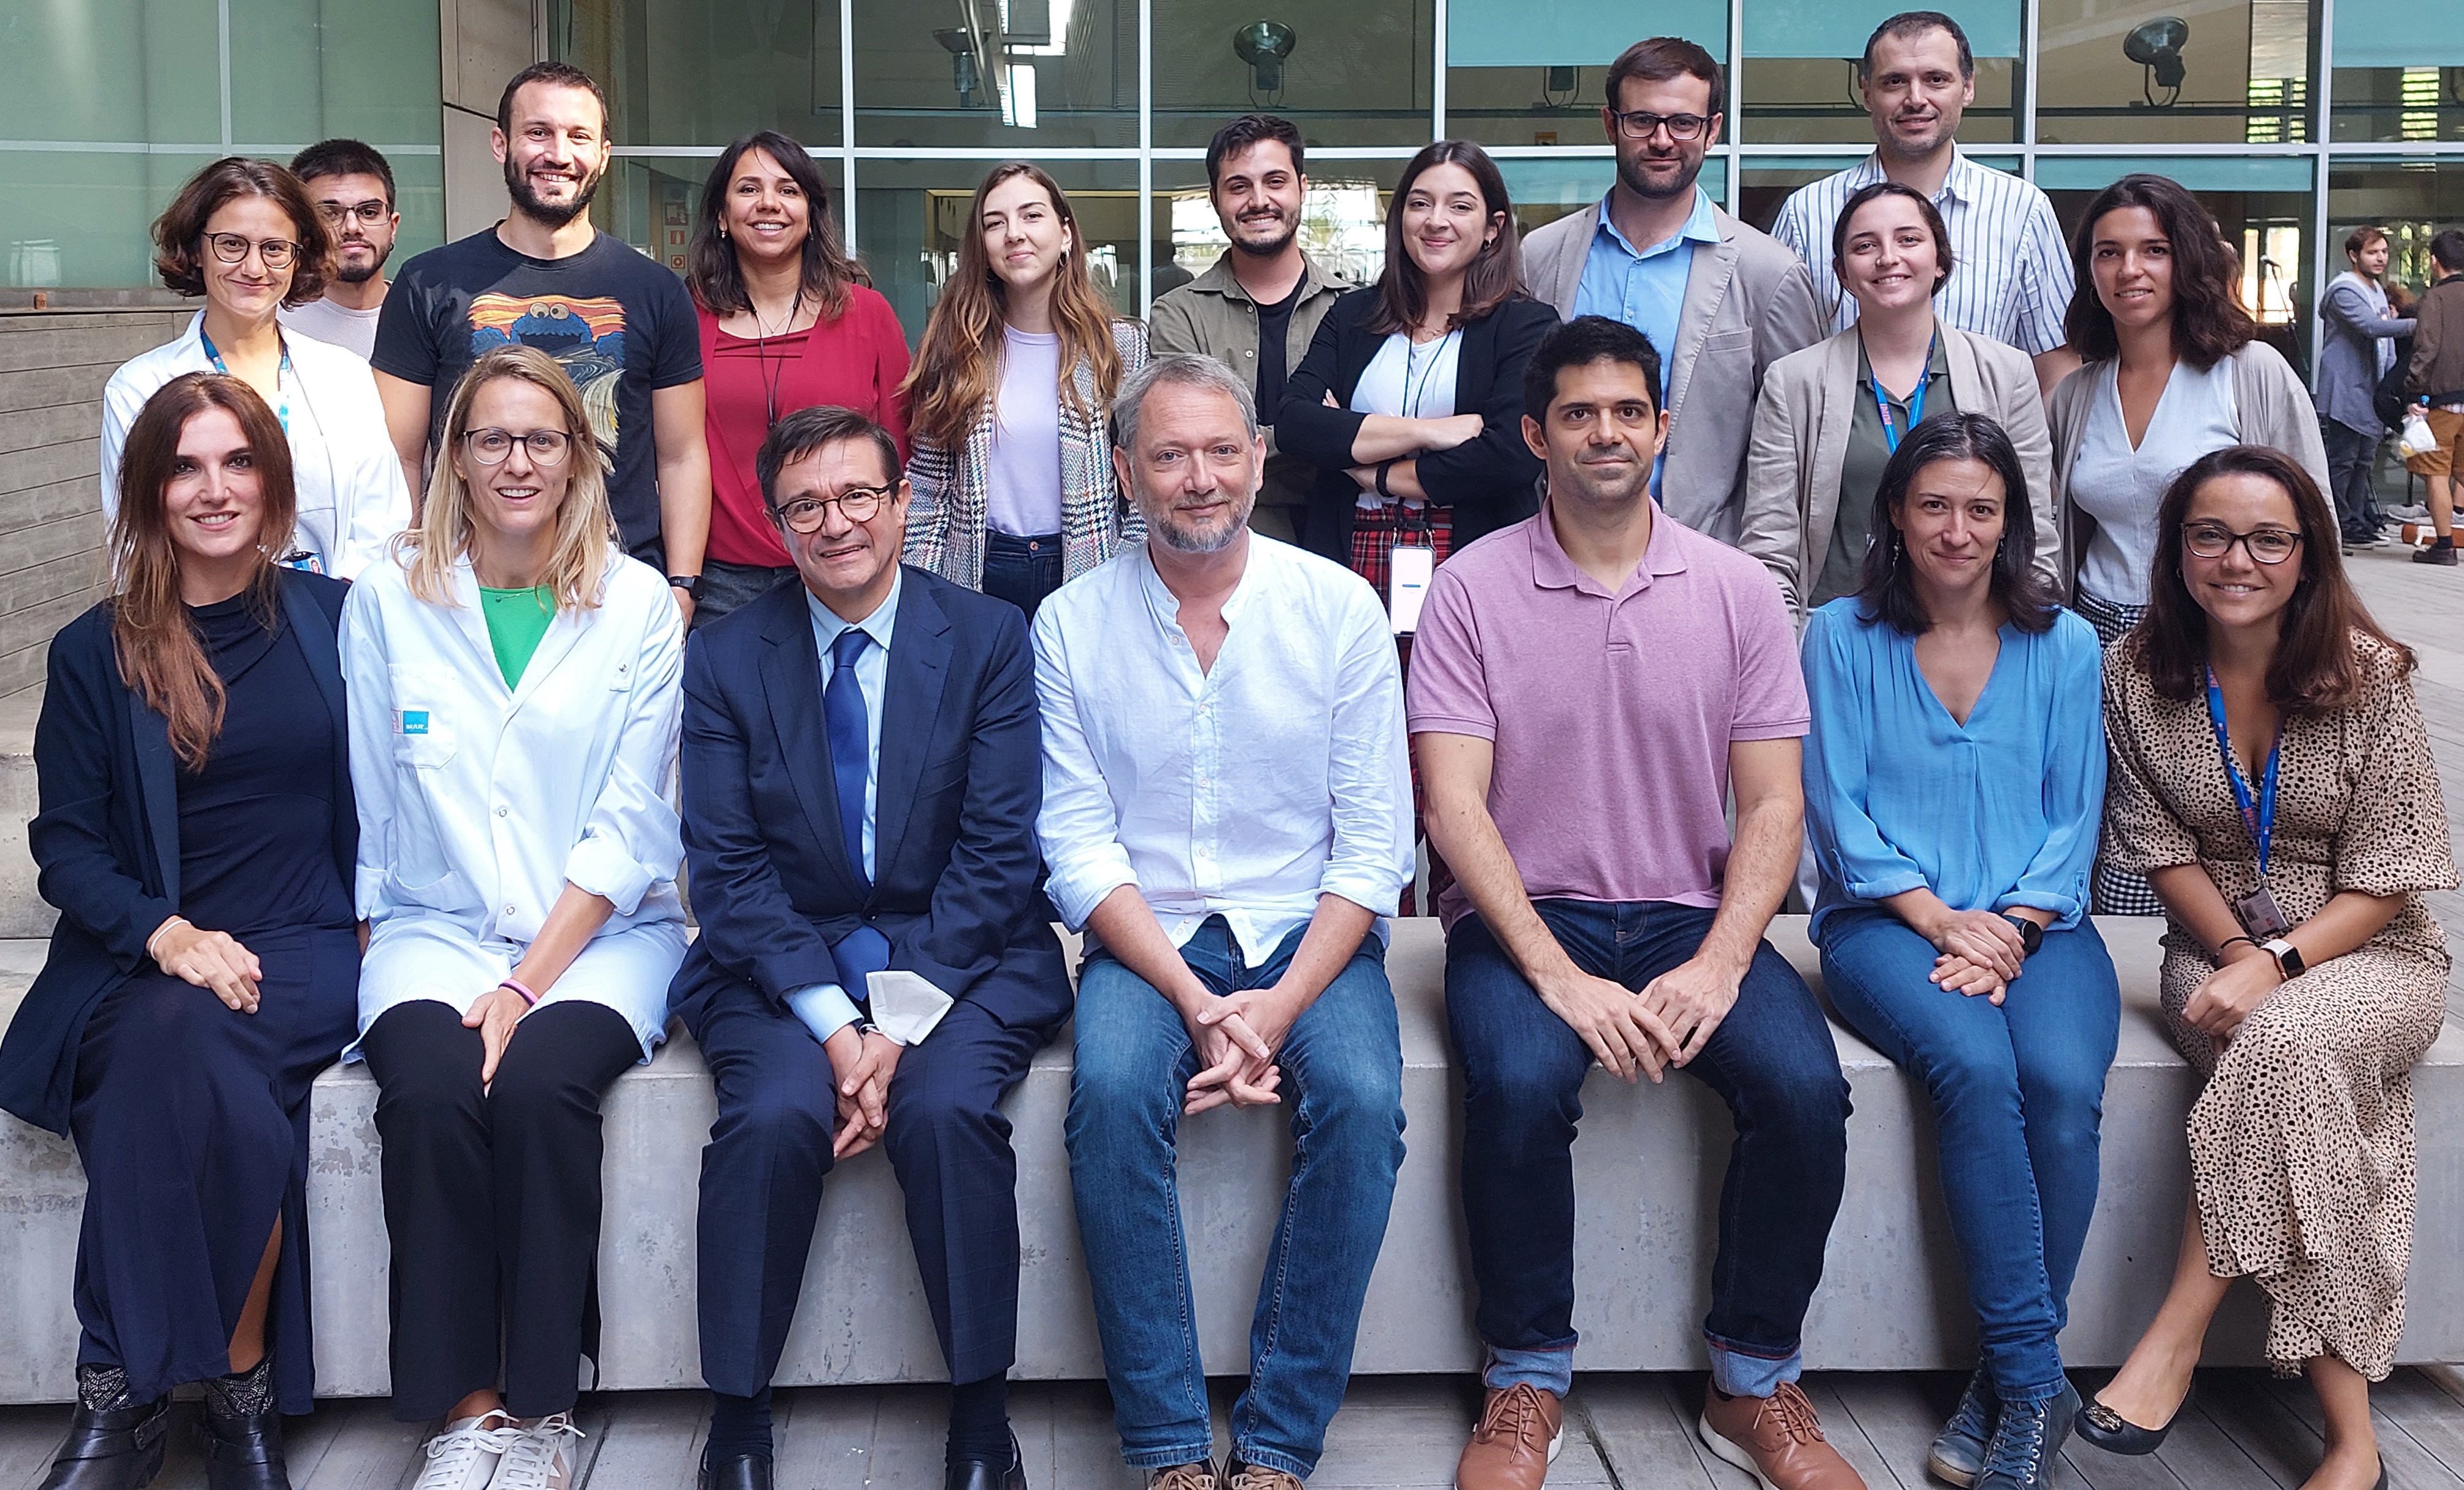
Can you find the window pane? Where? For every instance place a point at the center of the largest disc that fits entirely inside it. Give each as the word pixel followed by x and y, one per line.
pixel 1524 75
pixel 309 70
pixel 79 219
pixel 123 69
pixel 703 72
pixel 1349 74
pixel 2399 71
pixel 2232 73
pixel 2411 199
pixel 1026 76
pixel 1799 78
pixel 910 216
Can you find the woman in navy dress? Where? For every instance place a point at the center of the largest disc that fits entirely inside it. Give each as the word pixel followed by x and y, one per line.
pixel 197 833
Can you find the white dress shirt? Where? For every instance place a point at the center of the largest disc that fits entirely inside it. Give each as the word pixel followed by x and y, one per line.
pixel 1247 791
pixel 825 1008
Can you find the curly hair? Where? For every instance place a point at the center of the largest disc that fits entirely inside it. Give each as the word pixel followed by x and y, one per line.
pixel 179 234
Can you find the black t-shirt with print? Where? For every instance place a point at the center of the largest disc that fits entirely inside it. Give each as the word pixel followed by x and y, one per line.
pixel 621 323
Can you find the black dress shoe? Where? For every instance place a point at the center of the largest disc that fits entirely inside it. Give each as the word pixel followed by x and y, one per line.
pixel 2115 1433
pixel 988 1475
pixel 736 1471
pixel 243 1453
pixel 117 1450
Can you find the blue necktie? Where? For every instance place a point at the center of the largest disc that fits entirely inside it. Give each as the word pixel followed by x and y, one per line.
pixel 842 707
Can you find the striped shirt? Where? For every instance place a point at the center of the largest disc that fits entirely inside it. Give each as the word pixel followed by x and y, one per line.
pixel 2011 278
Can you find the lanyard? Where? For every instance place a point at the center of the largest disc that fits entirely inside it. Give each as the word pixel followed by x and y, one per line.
pixel 1916 403
pixel 282 376
pixel 1412 399
pixel 2259 817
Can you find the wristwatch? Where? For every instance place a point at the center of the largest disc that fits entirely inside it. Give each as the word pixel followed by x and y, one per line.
pixel 2288 958
pixel 2032 936
pixel 689 584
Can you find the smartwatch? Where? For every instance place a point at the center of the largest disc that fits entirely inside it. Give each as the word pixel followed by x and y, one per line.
pixel 689 584
pixel 2288 958
pixel 2032 936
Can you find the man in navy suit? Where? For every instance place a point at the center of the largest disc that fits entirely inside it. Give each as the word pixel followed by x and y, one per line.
pixel 861 759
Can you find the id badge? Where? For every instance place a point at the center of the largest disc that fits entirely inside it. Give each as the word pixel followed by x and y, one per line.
pixel 1412 567
pixel 2259 916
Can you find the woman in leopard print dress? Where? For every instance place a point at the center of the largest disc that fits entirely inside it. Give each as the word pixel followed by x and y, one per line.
pixel 2302 1144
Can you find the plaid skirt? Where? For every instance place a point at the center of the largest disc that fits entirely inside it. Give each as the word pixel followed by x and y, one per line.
pixel 1375 534
pixel 2111 891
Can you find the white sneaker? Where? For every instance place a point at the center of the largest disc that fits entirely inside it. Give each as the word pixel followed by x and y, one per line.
pixel 464 1455
pixel 540 1456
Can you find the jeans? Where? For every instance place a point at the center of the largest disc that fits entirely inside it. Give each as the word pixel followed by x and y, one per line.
pixel 2352 457
pixel 2017 1093
pixel 1344 1060
pixel 1021 571
pixel 1772 1060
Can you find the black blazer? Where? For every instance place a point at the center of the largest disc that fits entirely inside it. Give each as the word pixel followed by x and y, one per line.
pixel 960 779
pixel 106 840
pixel 1490 481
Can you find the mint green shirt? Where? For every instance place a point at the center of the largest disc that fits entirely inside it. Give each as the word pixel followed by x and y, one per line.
pixel 516 620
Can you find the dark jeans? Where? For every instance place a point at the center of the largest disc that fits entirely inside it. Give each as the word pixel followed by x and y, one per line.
pixel 1021 571
pixel 727 587
pixel 1772 1060
pixel 2352 457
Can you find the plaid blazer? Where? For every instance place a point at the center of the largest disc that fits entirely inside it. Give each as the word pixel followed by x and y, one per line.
pixel 945 524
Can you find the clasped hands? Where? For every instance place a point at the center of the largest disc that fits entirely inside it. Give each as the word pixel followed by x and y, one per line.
pixel 1981 953
pixel 1642 1033
pixel 862 1061
pixel 1237 1037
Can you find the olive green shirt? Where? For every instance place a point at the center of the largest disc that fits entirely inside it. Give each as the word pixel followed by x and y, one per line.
pixel 1860 469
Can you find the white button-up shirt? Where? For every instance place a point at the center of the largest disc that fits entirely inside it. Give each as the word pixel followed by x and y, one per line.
pixel 1247 791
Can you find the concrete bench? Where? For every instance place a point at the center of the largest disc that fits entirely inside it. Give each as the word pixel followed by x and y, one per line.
pixel 1649 1165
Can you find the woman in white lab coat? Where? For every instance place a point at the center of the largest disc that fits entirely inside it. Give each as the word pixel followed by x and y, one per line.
pixel 514 709
pixel 243 234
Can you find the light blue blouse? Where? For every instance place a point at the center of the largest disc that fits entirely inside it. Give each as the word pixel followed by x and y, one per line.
pixel 1997 812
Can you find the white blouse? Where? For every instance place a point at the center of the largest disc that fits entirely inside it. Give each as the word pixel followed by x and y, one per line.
pixel 2122 488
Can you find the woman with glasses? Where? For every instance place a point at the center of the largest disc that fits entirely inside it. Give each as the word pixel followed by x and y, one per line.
pixel 787 322
pixel 1010 400
pixel 243 234
pixel 2173 371
pixel 2271 779
pixel 513 725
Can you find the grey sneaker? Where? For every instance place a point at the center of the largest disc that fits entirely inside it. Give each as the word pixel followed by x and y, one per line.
pixel 2027 1436
pixel 1958 1453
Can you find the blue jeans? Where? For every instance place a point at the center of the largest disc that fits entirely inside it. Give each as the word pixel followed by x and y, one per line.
pixel 1772 1060
pixel 1344 1057
pixel 1021 571
pixel 2018 1091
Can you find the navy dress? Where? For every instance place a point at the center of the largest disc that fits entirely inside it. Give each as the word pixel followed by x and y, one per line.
pixel 193 1118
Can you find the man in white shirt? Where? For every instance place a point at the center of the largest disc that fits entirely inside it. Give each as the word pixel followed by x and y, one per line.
pixel 2012 280
pixel 1228 812
pixel 352 186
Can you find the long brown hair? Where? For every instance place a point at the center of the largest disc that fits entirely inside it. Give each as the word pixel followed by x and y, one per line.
pixel 2208 322
pixel 712 274
pixel 1493 278
pixel 159 652
pixel 957 369
pixel 2317 667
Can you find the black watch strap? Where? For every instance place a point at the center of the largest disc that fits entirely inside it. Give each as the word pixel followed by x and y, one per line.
pixel 689 584
pixel 2031 935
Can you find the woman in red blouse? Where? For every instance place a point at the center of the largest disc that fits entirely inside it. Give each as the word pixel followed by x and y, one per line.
pixel 787 322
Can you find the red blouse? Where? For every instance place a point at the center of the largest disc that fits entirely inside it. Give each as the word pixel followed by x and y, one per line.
pixel 856 362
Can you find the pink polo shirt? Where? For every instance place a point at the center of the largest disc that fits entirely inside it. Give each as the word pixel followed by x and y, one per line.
pixel 1611 713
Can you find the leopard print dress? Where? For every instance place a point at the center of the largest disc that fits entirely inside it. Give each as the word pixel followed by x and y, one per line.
pixel 2302 1143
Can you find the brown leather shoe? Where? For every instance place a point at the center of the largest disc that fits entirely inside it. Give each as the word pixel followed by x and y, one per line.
pixel 1777 1439
pixel 1514 1442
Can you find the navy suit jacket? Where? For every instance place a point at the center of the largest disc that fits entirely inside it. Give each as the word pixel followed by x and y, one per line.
pixel 960 778
pixel 106 842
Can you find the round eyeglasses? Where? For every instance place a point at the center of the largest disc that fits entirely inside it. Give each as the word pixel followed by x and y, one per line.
pixel 491 447
pixel 857 504
pixel 233 248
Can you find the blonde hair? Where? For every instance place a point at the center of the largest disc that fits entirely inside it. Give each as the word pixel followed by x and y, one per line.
pixel 585 529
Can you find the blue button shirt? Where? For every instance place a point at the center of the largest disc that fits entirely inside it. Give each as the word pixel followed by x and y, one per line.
pixel 1645 288
pixel 824 1007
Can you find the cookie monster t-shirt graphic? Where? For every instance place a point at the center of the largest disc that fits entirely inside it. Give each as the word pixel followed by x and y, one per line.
pixel 587 336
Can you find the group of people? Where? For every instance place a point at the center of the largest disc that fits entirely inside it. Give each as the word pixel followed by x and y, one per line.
pixel 1901 558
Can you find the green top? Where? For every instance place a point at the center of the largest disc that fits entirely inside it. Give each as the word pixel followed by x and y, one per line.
pixel 1861 468
pixel 516 620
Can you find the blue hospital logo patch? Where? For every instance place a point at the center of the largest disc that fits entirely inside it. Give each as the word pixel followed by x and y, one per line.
pixel 413 721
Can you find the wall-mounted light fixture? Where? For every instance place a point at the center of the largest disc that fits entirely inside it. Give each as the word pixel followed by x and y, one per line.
pixel 2156 46
pixel 963 76
pixel 1265 45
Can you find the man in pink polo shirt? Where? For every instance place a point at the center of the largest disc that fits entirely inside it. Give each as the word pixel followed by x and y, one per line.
pixel 1586 687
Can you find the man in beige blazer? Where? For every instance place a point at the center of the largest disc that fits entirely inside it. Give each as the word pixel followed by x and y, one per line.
pixel 1721 301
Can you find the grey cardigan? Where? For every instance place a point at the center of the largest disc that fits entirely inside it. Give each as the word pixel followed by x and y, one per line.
pixel 2271 407
pixel 1801 440
pixel 2352 320
pixel 1748 303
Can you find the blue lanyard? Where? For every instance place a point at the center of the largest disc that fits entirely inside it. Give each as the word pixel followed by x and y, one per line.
pixel 1916 403
pixel 2259 818
pixel 282 376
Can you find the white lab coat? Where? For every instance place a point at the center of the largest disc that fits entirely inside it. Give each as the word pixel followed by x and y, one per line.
pixel 343 468
pixel 478 804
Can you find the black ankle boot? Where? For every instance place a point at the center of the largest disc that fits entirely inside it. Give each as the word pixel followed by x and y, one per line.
pixel 244 1453
pixel 117 1448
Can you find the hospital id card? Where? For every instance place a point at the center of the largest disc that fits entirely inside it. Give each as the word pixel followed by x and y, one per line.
pixel 1412 566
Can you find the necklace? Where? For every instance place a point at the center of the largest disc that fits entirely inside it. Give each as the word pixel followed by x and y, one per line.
pixel 761 334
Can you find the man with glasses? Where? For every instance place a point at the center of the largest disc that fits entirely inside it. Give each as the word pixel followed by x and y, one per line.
pixel 1719 300
pixel 2014 277
pixel 352 187
pixel 861 779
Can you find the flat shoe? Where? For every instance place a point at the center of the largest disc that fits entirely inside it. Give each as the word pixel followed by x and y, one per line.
pixel 2114 1434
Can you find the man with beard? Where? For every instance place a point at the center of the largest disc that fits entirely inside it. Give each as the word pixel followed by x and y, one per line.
pixel 2014 281
pixel 352 187
pixel 1719 300
pixel 1257 308
pixel 1227 813
pixel 619 322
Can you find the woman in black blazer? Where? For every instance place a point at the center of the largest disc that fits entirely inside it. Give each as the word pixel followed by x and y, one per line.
pixel 197 834
pixel 1411 398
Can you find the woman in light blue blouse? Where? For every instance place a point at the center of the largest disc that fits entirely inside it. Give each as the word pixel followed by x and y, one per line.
pixel 1954 780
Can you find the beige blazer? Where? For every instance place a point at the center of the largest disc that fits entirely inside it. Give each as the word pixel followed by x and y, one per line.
pixel 1800 441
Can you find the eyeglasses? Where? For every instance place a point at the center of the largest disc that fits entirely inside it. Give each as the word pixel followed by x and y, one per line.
pixel 370 213
pixel 233 248
pixel 1641 125
pixel 856 504
pixel 2214 541
pixel 491 447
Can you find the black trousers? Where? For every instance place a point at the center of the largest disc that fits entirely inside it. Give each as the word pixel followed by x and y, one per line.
pixel 492 1200
pixel 762 1181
